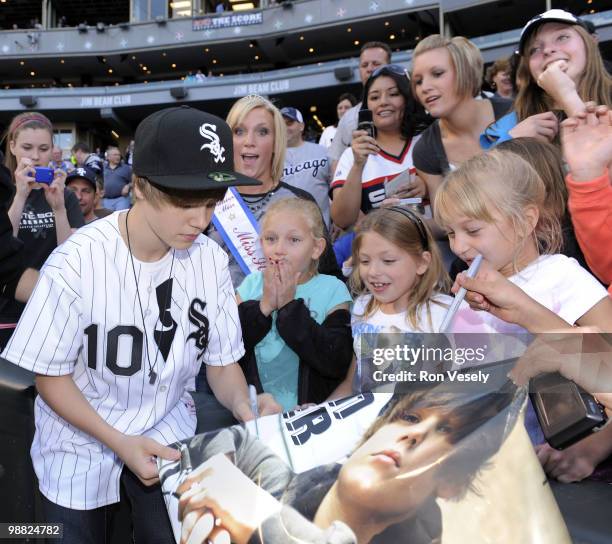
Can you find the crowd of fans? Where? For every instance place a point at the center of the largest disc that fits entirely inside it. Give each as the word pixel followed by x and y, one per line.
pixel 520 176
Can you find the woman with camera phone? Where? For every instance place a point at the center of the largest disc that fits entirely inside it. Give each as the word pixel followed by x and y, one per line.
pixel 43 213
pixel 359 180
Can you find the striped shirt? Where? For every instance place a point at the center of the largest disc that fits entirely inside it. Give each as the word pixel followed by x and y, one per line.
pixel 84 319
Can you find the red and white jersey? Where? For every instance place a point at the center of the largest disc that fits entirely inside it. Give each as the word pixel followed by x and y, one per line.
pixel 85 318
pixel 377 168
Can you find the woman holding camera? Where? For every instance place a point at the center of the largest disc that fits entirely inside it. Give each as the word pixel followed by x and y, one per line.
pixel 44 214
pixel 359 179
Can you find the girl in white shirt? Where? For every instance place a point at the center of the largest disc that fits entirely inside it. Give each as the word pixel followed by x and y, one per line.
pixel 494 205
pixel 399 278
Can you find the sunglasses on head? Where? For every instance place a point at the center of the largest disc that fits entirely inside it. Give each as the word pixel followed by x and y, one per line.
pixel 391 69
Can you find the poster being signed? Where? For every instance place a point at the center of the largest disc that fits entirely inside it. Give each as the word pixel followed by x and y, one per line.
pixel 438 465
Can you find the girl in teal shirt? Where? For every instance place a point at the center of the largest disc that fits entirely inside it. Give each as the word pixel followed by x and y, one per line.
pixel 295 321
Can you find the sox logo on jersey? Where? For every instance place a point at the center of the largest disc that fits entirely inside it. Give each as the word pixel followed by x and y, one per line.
pixel 200 335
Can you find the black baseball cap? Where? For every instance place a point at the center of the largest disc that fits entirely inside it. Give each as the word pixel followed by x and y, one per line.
pixel 186 149
pixel 550 16
pixel 82 173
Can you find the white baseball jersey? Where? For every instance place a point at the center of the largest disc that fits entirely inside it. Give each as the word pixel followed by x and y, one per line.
pixel 84 318
pixel 376 169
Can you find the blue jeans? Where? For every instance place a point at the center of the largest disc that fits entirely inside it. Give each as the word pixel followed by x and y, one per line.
pixel 151 524
pixel 211 414
pixel 119 203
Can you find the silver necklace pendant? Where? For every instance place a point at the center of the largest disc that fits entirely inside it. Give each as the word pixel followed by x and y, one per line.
pixel 152 373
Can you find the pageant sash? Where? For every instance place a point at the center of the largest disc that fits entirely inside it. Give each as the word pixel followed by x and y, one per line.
pixel 240 231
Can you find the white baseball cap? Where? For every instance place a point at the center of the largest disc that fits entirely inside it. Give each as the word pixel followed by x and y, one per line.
pixel 550 16
pixel 292 113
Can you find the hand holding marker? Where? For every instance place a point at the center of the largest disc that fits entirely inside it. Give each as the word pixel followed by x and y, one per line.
pixel 254 408
pixel 186 467
pixel 450 314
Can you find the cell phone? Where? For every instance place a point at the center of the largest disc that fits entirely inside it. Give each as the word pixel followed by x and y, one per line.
pixel 566 412
pixel 43 175
pixel 397 184
pixel 365 122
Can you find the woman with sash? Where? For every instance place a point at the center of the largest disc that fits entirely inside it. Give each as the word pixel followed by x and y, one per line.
pixel 260 141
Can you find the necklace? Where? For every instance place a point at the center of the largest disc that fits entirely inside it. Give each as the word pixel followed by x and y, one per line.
pixel 258 203
pixel 152 373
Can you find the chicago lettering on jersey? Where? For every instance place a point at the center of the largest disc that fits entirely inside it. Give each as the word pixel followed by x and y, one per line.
pixel 307 165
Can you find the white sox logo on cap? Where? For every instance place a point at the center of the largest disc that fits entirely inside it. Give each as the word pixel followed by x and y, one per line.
pixel 81 171
pixel 209 131
pixel 188 150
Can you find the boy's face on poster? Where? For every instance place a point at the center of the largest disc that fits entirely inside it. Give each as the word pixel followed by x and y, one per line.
pixel 396 470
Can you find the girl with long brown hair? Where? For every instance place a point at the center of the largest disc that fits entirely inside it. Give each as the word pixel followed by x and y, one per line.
pixel 560 69
pixel 43 215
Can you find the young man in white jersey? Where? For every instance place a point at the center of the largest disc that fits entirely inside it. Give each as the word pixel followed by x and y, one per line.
pixel 123 315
